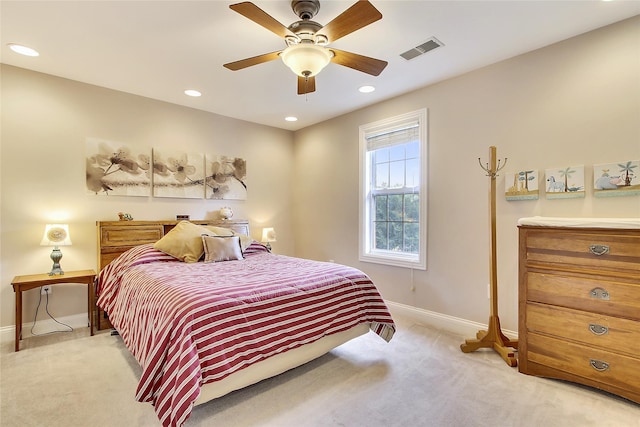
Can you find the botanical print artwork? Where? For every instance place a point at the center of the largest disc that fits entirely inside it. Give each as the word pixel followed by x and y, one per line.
pixel 565 183
pixel 522 185
pixel 178 174
pixel 115 169
pixel 226 178
pixel 616 179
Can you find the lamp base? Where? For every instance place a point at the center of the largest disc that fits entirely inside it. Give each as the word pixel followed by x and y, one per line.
pixel 56 271
pixel 268 246
pixel 56 256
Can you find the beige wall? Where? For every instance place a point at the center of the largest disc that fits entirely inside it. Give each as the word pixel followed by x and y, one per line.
pixel 576 102
pixel 45 122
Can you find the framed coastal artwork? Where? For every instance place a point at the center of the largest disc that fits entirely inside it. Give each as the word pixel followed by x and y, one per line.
pixel 616 179
pixel 178 174
pixel 116 169
pixel 226 178
pixel 565 182
pixel 522 185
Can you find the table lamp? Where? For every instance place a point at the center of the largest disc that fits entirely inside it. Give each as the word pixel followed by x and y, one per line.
pixel 268 236
pixel 56 235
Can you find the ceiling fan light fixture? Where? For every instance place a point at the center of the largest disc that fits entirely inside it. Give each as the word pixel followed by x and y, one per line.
pixel 306 59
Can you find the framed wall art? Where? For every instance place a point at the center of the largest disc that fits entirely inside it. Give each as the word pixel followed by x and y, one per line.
pixel 616 179
pixel 178 174
pixel 226 178
pixel 522 185
pixel 117 169
pixel 565 182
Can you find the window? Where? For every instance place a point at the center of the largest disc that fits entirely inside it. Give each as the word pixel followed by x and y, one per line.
pixel 393 196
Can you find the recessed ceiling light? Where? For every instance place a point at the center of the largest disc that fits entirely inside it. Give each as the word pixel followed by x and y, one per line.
pixel 366 89
pixel 291 119
pixel 192 92
pixel 23 50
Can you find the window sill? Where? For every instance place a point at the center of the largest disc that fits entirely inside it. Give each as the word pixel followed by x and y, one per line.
pixel 395 261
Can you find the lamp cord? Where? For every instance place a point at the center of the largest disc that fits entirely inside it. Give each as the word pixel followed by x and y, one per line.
pixel 35 318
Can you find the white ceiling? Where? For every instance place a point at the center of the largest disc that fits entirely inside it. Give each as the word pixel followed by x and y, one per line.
pixel 158 49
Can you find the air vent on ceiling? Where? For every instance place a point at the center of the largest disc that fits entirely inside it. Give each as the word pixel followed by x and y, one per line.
pixel 425 47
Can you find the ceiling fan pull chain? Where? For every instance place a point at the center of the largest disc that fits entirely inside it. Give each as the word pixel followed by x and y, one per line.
pixel 306 87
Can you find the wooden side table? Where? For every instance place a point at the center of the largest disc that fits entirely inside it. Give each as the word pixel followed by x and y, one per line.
pixel 24 283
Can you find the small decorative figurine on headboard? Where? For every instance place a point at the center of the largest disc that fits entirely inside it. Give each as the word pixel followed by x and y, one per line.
pixel 226 213
pixel 125 216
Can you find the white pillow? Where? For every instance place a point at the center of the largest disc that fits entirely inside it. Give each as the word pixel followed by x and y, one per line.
pixel 221 248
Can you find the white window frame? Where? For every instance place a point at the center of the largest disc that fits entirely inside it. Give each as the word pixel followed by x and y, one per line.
pixel 366 251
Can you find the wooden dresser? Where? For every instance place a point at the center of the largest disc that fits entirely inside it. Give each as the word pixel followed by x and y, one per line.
pixel 579 304
pixel 116 237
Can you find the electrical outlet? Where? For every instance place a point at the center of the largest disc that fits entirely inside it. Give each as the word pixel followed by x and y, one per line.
pixel 44 290
pixel 488 290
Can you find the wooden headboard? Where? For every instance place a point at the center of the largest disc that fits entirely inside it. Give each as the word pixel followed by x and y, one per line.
pixel 117 237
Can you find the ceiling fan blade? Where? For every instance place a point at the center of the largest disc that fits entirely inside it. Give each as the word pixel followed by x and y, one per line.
pixel 306 85
pixel 357 16
pixel 358 62
pixel 260 17
pixel 248 62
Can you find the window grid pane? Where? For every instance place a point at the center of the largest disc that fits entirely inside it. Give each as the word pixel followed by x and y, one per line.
pixel 396 223
pixel 396 204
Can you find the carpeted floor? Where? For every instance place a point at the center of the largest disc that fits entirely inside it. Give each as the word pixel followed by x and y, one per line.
pixel 420 378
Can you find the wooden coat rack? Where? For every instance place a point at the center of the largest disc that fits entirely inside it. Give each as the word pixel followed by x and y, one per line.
pixel 493 336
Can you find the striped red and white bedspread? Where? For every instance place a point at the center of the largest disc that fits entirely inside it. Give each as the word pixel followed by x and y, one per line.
pixel 192 324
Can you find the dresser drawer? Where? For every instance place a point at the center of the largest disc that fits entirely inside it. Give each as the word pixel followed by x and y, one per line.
pixel 584 249
pixel 607 332
pixel 604 297
pixel 616 370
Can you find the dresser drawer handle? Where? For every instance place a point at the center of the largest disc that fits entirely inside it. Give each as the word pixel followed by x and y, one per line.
pixel 600 293
pixel 599 249
pixel 599 365
pixel 598 329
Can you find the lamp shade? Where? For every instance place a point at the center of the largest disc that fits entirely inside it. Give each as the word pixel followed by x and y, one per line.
pixel 56 235
pixel 268 234
pixel 306 59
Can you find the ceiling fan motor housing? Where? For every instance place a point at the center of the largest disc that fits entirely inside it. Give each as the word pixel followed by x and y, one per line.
pixel 305 9
pixel 306 30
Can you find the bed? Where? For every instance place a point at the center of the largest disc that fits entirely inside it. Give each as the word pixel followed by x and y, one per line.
pixel 205 310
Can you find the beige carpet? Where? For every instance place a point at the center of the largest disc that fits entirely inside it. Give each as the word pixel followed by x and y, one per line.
pixel 420 378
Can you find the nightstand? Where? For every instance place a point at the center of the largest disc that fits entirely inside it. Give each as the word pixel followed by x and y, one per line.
pixel 24 283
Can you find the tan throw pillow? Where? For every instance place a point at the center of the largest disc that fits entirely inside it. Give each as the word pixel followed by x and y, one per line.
pixel 184 242
pixel 219 248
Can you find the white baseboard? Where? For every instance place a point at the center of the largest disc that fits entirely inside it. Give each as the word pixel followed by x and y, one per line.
pixel 456 325
pixel 44 326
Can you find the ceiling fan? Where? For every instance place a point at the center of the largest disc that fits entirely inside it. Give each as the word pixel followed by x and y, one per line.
pixel 307 52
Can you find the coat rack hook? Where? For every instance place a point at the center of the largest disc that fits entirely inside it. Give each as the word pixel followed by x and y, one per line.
pixel 490 172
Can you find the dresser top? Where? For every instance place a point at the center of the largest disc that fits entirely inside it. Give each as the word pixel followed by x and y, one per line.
pixel 546 221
